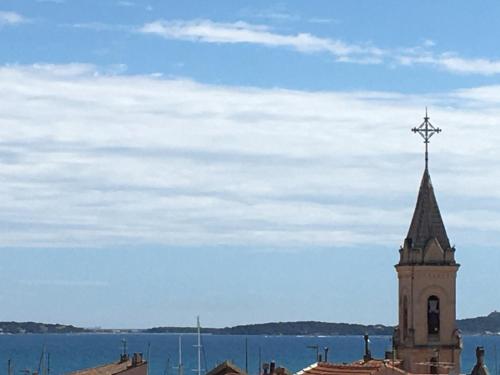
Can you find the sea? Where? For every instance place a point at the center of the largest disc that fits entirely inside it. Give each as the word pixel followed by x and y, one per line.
pixel 70 352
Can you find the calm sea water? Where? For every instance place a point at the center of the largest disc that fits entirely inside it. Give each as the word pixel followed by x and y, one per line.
pixel 78 351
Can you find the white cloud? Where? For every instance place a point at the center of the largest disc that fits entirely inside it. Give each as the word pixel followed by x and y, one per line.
pixel 242 32
pixel 451 62
pixel 468 66
pixel 11 18
pixel 90 159
pixel 208 31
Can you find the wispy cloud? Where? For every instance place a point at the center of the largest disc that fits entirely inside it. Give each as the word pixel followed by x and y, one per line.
pixel 208 31
pixel 90 159
pixel 322 20
pixel 448 61
pixel 51 1
pixel 125 3
pixel 242 32
pixel 99 26
pixel 11 18
pixel 65 283
pixel 468 66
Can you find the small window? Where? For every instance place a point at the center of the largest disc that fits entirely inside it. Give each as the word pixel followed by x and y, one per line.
pixel 433 315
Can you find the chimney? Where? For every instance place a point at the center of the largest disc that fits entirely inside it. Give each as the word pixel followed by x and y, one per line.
pixel 326 353
pixel 368 355
pixel 265 367
pixel 136 359
pixel 272 368
pixel 480 355
pixel 480 368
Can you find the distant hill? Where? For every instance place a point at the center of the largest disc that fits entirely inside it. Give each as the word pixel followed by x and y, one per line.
pixel 307 328
pixel 32 327
pixel 489 324
pixel 482 325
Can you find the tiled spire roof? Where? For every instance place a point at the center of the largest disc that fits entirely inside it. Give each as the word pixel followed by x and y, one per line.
pixel 427 222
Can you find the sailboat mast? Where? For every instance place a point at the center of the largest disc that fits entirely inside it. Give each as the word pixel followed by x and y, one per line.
pixel 199 345
pixel 180 356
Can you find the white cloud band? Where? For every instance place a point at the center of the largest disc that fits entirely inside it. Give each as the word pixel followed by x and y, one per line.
pixel 95 160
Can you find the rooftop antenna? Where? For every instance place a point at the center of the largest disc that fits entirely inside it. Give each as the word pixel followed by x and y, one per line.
pixel 246 355
pixel 41 362
pixel 260 359
pixel 167 366
pixel 496 362
pixel 124 353
pixel 426 131
pixel 315 347
pixel 147 356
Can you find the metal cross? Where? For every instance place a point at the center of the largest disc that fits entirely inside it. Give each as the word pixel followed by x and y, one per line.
pixel 426 131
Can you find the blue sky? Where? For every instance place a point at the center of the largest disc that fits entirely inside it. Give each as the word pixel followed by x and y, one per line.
pixel 247 162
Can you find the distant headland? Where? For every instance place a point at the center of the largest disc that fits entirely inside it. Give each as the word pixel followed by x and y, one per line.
pixel 482 325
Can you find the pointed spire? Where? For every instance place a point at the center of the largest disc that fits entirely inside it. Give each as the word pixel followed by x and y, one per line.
pixel 427 222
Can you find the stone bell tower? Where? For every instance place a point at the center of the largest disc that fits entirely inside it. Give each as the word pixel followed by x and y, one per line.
pixel 427 339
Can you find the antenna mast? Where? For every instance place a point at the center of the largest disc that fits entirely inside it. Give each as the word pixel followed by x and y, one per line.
pixel 496 362
pixel 315 347
pixel 198 345
pixel 180 356
pixel 41 363
pixel 260 360
pixel 147 356
pixel 246 355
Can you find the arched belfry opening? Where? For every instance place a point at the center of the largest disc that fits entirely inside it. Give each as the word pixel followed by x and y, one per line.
pixel 433 315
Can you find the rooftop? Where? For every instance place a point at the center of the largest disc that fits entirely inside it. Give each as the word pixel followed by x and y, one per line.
pixel 108 369
pixel 361 367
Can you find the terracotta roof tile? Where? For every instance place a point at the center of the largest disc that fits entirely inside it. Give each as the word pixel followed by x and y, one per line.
pixel 363 368
pixel 108 369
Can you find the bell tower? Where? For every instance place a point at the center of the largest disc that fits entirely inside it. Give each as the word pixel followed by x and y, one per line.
pixel 427 339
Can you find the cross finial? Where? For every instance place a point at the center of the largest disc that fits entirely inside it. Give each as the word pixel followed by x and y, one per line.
pixel 426 131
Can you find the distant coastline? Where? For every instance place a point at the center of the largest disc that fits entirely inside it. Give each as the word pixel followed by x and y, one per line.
pixel 483 325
